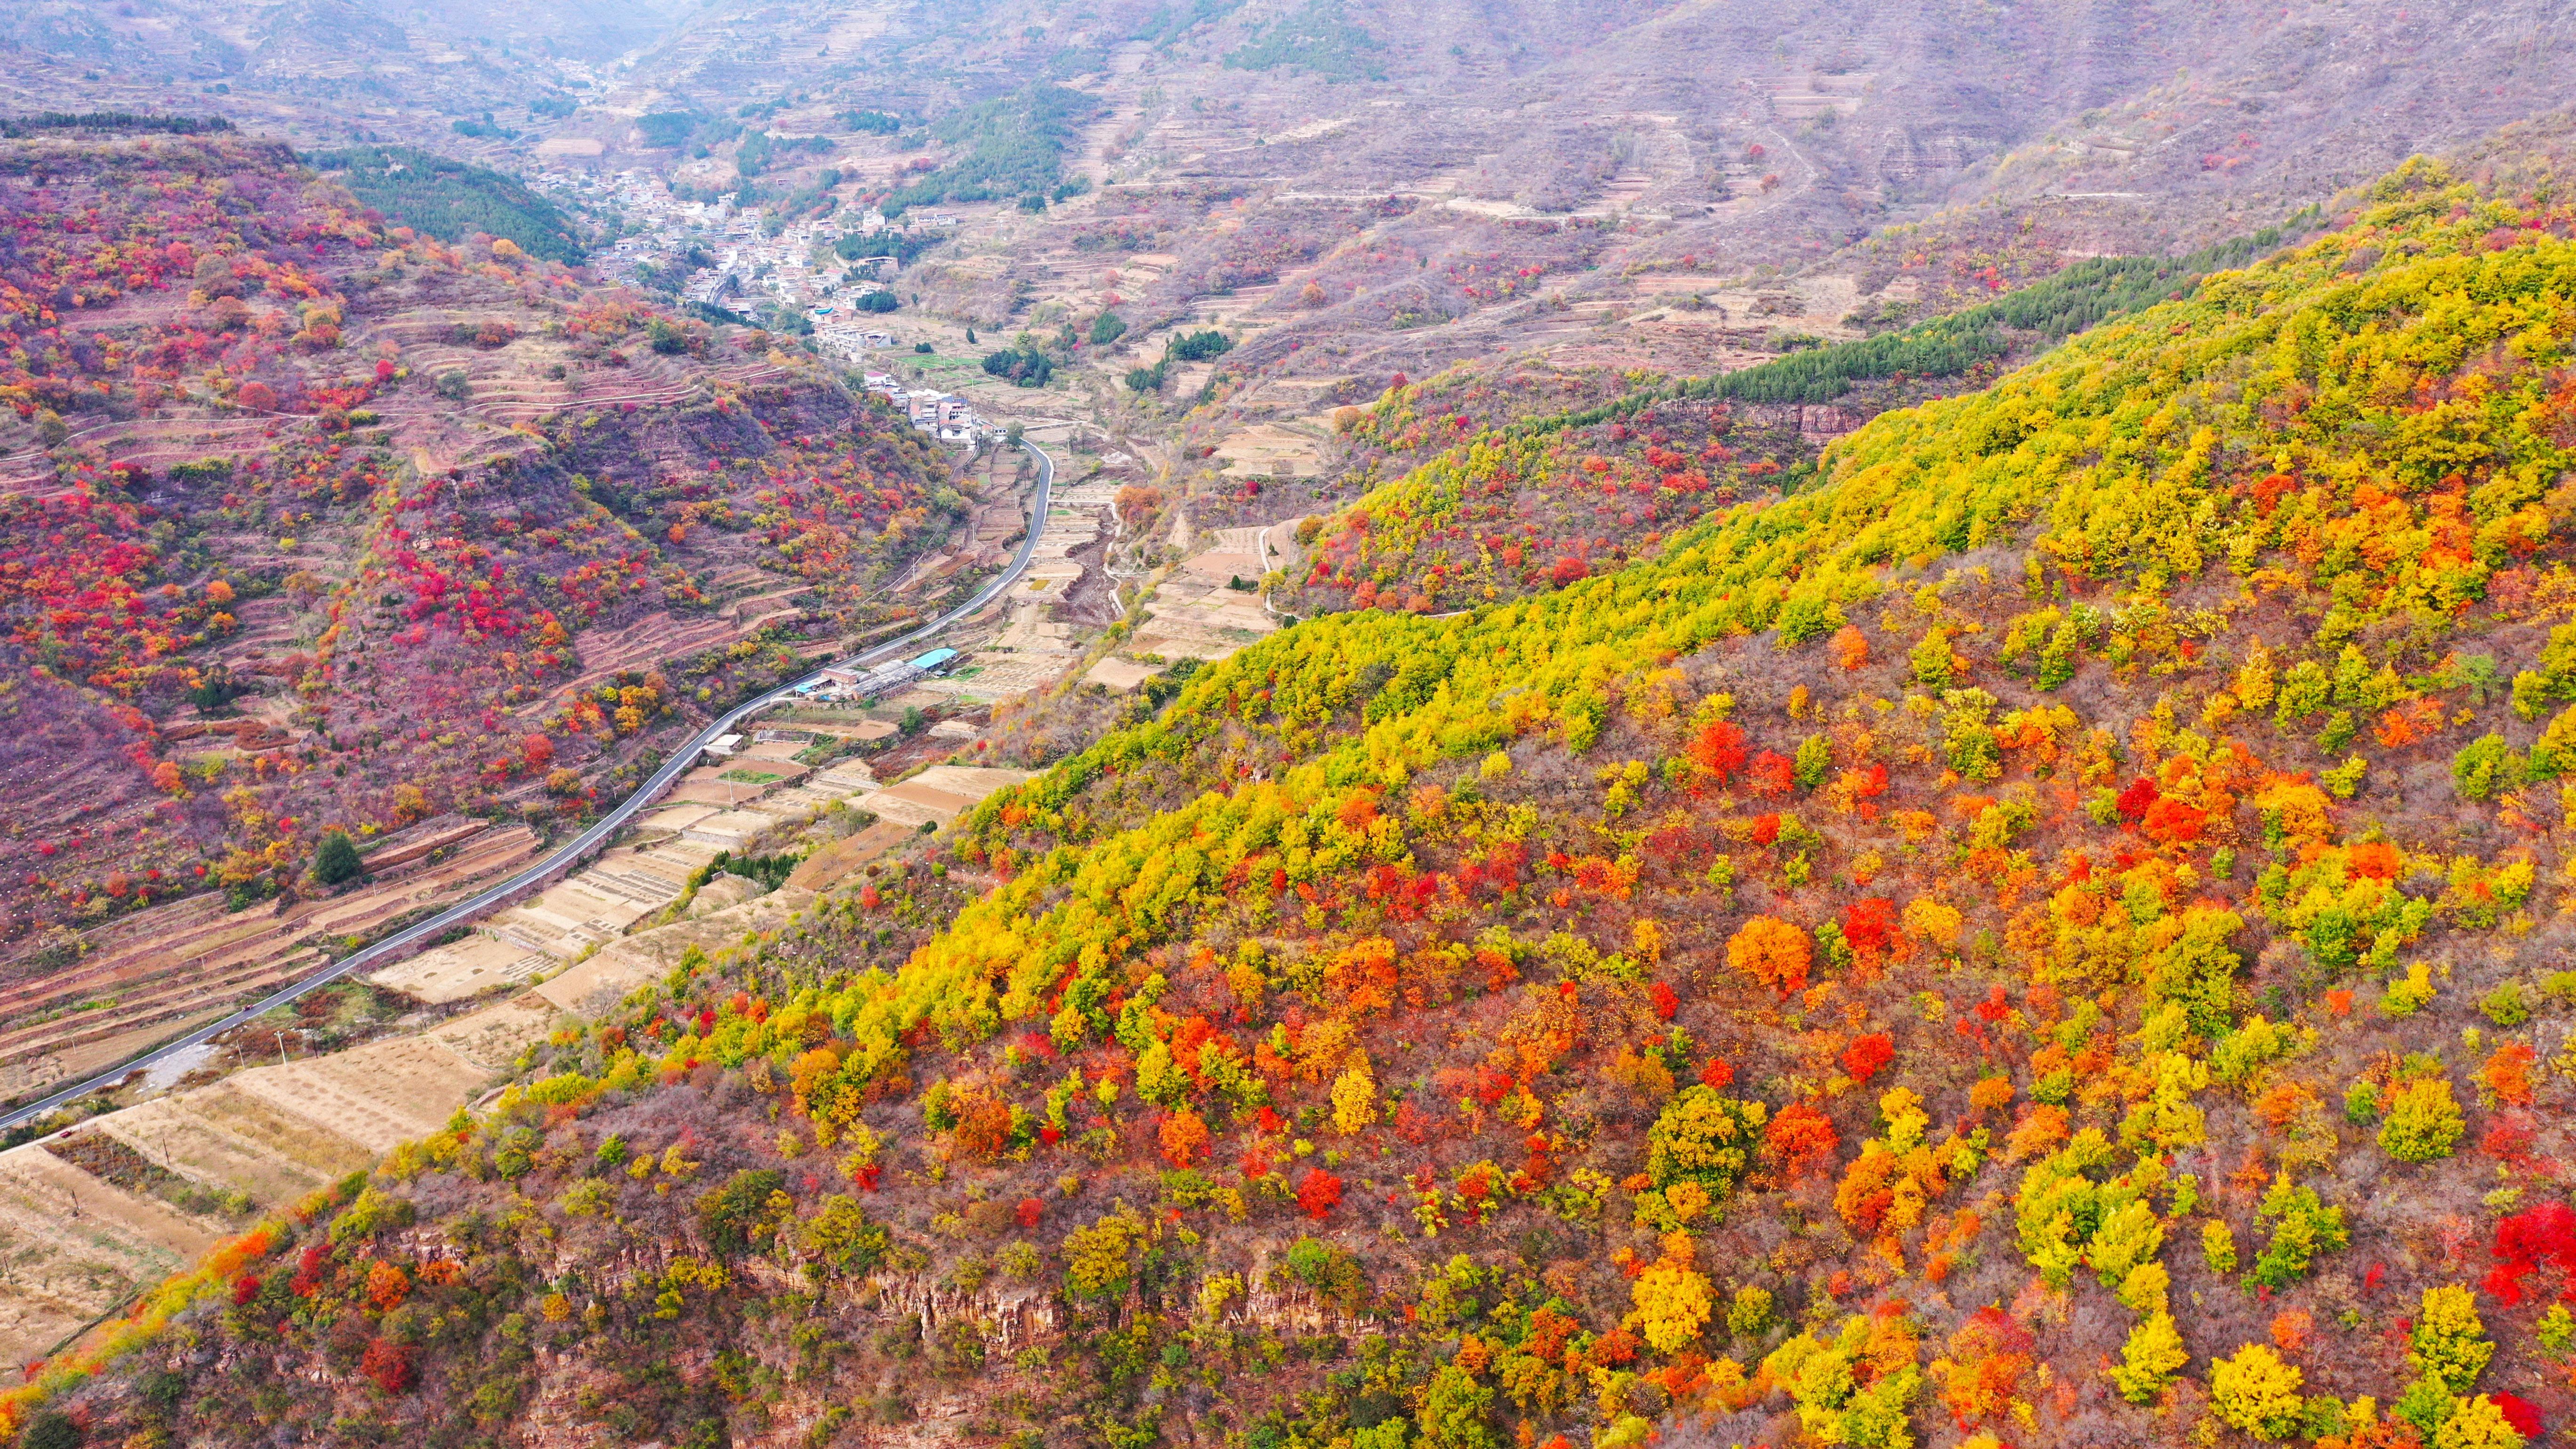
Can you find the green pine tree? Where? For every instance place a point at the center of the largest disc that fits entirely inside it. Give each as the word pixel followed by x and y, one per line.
pixel 337 860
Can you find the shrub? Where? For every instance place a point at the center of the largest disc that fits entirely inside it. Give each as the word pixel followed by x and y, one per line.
pixel 2302 1227
pixel 372 1212
pixel 2554 753
pixel 2218 1245
pixel 2486 1423
pixel 1355 1104
pixel 453 385
pixel 2556 1329
pixel 1968 735
pixel 2424 1123
pixel 1100 1260
pixel 1815 760
pixel 741 1214
pixel 2127 1238
pixel 1674 1304
pixel 1454 1411
pixel 2304 688
pixel 2450 1343
pixel 841 1237
pixel 2144 1291
pixel 2504 1006
pixel 2410 994
pixel 1703 1136
pixel 2256 1392
pixel 1750 1313
pixel 2484 766
pixel 2150 1359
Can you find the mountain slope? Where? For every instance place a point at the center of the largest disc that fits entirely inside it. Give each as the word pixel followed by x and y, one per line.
pixel 308 522
pixel 2049 935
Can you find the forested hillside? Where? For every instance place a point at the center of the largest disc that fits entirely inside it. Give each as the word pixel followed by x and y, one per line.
pixel 2051 934
pixel 452 200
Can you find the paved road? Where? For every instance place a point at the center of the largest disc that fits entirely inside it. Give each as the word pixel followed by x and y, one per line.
pixel 681 761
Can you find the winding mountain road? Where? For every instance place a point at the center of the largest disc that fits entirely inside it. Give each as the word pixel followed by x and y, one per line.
pixel 573 852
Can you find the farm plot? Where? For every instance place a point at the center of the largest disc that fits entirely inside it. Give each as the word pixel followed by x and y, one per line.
pixel 73 1247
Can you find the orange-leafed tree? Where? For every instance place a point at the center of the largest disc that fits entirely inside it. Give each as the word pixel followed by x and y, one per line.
pixel 2507 1075
pixel 387 1286
pixel 1772 952
pixel 983 1124
pixel 1800 1141
pixel 1982 1375
pixel 2292 1328
pixel 1185 1136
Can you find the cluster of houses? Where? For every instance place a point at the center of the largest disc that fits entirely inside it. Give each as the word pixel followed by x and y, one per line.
pixel 851 339
pixel 852 682
pixel 944 415
pixel 796 269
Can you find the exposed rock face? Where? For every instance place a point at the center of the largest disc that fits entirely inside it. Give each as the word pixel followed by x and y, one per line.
pixel 1814 422
pixel 1007 1319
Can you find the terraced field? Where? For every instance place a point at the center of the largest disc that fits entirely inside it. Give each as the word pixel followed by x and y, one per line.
pixel 74 1246
pixel 153 974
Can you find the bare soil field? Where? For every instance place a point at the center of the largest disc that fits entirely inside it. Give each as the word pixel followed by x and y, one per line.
pixel 73 1247
pixel 605 978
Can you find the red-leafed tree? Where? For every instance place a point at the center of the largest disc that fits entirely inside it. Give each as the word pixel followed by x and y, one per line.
pixel 1773 773
pixel 1863 1058
pixel 1718 750
pixel 1318 1193
pixel 1801 1140
pixel 2171 822
pixel 2140 797
pixel 1869 925
pixel 2528 1241
pixel 388 1366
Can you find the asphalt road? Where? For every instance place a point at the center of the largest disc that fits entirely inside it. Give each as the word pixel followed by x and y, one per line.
pixel 572 853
